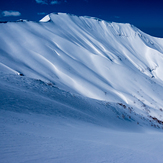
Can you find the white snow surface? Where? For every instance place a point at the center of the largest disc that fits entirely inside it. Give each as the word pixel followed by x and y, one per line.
pixel 45 19
pixel 79 89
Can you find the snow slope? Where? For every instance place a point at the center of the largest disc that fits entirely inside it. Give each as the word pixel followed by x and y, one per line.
pixel 41 123
pixel 79 89
pixel 105 61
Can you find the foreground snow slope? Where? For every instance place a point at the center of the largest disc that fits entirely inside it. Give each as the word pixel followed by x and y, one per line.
pixel 41 123
pixel 105 61
pixel 78 89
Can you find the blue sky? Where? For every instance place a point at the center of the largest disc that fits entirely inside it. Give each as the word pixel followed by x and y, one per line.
pixel 144 14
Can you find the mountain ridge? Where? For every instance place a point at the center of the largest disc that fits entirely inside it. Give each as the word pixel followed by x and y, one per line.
pixel 111 62
pixel 77 89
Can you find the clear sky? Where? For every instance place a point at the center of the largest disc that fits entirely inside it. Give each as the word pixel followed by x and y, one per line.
pixel 144 14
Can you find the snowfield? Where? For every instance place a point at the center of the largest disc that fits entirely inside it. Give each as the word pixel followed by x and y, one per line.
pixel 79 89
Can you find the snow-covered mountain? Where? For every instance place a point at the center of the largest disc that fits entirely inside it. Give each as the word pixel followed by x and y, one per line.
pixel 68 72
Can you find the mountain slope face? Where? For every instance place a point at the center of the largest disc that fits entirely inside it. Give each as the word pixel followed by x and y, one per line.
pixel 111 62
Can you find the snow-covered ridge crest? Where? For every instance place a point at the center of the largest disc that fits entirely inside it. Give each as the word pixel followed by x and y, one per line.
pixel 51 17
pixel 45 19
pixel 112 62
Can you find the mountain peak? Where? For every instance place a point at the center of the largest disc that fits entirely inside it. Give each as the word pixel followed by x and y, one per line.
pixel 45 19
pixel 97 59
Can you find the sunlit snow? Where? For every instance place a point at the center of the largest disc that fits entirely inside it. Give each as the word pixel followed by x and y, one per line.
pixel 80 89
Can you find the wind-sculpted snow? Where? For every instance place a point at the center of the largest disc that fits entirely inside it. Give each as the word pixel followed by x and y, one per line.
pixel 105 61
pixel 79 89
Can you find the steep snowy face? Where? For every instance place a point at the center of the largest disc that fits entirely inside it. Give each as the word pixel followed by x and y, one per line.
pixel 106 61
pixel 45 19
